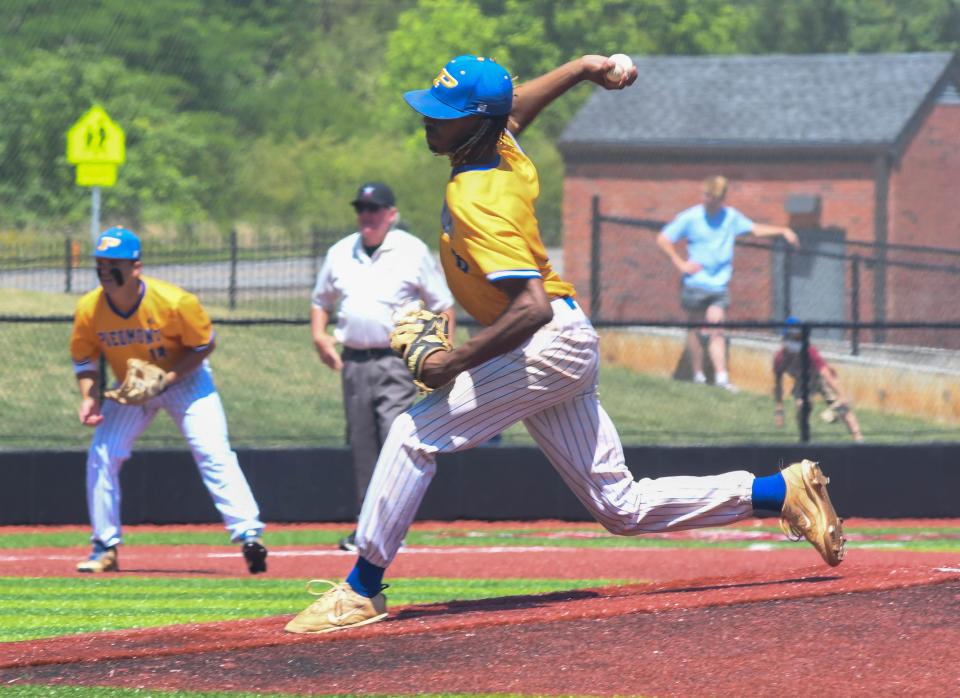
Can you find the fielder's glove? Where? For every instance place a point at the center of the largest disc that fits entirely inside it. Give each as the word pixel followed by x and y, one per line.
pixel 837 410
pixel 417 335
pixel 142 382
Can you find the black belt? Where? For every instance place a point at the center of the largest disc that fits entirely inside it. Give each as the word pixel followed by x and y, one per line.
pixel 365 354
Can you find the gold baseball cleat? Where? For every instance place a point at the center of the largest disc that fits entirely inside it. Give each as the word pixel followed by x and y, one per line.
pixel 808 513
pixel 337 608
pixel 100 560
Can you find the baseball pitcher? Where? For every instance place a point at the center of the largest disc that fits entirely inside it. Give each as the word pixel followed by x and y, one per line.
pixel 535 361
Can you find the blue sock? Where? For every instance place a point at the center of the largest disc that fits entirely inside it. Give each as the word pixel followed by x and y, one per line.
pixel 769 493
pixel 366 578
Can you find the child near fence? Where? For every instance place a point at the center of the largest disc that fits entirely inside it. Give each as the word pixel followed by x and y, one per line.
pixel 822 379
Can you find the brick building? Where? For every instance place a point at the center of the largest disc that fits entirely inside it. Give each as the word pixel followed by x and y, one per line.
pixel 859 153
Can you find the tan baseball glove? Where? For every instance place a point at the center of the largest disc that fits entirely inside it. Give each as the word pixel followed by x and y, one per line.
pixel 142 382
pixel 417 335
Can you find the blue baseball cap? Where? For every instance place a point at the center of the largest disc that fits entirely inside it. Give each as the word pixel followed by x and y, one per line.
pixel 117 243
pixel 791 326
pixel 467 85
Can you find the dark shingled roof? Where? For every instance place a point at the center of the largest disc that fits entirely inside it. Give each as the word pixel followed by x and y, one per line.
pixel 821 101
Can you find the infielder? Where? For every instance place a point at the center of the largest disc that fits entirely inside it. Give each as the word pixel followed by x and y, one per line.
pixel 156 338
pixel 536 360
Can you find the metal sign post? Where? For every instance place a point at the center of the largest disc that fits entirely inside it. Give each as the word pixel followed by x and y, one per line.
pixel 94 213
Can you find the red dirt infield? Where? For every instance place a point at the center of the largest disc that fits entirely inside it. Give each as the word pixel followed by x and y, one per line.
pixel 709 622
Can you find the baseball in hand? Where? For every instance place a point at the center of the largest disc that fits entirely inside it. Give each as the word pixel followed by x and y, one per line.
pixel 622 64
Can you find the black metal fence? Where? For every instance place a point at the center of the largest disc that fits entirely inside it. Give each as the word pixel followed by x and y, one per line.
pixel 263 279
pixel 879 285
pixel 898 393
pixel 277 393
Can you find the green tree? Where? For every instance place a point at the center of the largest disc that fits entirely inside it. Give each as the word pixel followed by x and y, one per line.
pixel 900 25
pixel 426 37
pixel 272 111
pixel 174 162
pixel 218 48
pixel 530 37
pixel 859 26
pixel 309 183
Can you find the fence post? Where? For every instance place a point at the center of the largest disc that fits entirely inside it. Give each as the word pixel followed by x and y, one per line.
pixel 805 383
pixel 67 264
pixel 879 293
pixel 787 275
pixel 232 291
pixel 595 259
pixel 855 304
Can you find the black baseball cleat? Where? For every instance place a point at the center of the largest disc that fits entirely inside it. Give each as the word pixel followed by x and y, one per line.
pixel 255 553
pixel 348 543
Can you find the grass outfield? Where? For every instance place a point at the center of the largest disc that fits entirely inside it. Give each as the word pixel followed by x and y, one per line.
pixel 39 607
pixel 49 606
pixel 262 371
pixel 926 538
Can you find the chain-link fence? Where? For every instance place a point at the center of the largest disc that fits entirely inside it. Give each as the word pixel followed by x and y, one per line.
pixel 888 393
pixel 277 392
pixel 899 379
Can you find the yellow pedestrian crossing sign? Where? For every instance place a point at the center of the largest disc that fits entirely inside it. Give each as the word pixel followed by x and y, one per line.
pixel 96 145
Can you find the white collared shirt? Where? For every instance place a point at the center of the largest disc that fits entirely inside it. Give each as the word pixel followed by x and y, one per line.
pixel 368 293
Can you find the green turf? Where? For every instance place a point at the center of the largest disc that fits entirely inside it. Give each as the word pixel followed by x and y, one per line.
pixel 48 606
pixel 572 536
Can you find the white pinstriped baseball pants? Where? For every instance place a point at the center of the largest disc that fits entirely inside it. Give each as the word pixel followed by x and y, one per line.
pixel 195 407
pixel 550 383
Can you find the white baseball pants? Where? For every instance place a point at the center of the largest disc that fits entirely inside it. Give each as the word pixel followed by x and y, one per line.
pixel 550 383
pixel 195 407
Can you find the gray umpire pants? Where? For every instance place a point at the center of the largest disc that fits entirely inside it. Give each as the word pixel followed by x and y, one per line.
pixel 376 389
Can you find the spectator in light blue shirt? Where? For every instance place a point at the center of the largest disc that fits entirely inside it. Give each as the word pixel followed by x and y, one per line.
pixel 710 231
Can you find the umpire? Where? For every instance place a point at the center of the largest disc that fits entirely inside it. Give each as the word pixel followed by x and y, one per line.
pixel 367 279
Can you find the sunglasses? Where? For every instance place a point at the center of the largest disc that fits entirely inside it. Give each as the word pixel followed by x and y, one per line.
pixel 367 208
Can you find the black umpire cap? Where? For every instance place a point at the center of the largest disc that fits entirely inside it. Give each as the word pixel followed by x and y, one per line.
pixel 376 193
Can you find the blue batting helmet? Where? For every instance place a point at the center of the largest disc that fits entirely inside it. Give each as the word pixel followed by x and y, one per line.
pixel 117 243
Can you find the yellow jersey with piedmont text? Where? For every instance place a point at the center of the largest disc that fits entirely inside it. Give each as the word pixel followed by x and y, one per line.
pixel 490 232
pixel 165 323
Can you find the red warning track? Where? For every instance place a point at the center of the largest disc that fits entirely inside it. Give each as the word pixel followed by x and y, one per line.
pixel 707 624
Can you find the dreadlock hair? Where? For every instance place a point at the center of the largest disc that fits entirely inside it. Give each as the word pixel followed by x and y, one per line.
pixel 482 143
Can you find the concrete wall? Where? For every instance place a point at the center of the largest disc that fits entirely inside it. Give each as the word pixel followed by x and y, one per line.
pixel 502 484
pixel 886 386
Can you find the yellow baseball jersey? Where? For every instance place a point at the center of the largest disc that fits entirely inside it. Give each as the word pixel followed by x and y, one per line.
pixel 166 323
pixel 490 232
